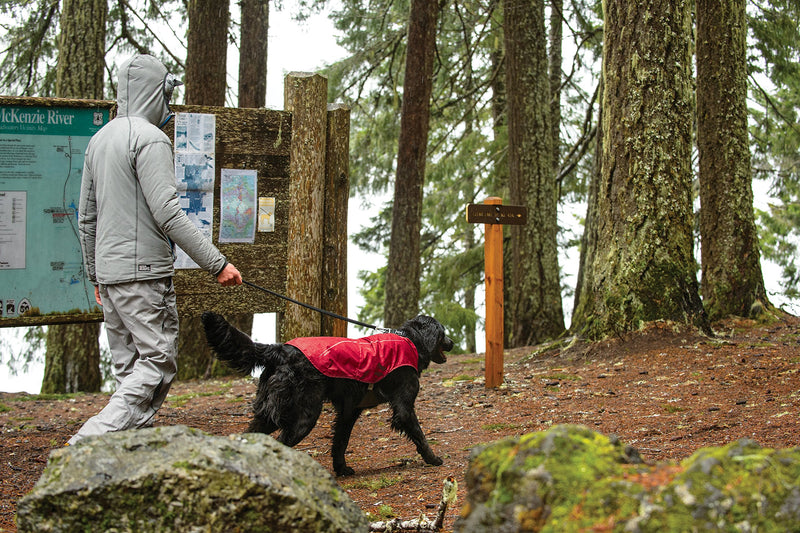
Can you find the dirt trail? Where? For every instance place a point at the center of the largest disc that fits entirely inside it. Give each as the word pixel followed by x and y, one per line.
pixel 665 392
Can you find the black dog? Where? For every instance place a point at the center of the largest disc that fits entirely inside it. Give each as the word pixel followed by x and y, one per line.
pixel 291 389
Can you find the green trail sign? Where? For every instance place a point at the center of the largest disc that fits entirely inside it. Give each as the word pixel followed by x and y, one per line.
pixel 41 159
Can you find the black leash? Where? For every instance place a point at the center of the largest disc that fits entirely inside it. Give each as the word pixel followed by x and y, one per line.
pixel 317 309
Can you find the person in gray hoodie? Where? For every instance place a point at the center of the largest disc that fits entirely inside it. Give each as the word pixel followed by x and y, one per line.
pixel 128 219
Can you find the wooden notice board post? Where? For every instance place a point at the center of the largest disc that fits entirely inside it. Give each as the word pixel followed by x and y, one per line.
pixel 494 215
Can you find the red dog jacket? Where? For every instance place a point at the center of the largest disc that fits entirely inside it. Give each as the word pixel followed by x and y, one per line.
pixel 368 359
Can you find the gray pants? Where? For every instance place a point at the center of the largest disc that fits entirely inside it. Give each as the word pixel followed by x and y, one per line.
pixel 142 328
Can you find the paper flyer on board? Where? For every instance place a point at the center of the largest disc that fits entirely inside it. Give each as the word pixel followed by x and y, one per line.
pixel 238 205
pixel 195 135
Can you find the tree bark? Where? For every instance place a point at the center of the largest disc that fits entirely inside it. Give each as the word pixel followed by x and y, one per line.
pixel 535 306
pixel 253 53
pixel 207 44
pixel 334 225
pixel 81 49
pixel 403 268
pixel 72 355
pixel 500 143
pixel 642 268
pixel 72 359
pixel 555 58
pixel 591 223
pixel 305 96
pixel 732 281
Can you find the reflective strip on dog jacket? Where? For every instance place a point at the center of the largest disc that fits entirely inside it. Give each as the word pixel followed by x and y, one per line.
pixel 368 359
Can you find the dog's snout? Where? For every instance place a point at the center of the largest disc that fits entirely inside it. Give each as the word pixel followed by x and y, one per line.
pixel 447 344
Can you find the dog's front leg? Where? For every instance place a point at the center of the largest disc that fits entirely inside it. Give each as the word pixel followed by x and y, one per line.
pixel 405 421
pixel 346 416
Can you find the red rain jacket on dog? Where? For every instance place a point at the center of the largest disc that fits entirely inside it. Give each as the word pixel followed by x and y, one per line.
pixel 368 359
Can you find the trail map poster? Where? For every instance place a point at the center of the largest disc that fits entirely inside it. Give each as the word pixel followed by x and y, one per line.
pixel 41 159
pixel 238 205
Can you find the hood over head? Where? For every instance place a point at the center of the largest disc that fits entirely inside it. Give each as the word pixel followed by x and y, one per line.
pixel 145 87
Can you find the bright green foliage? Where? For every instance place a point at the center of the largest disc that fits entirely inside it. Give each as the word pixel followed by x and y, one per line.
pixel 29 40
pixel 775 91
pixel 29 47
pixel 459 148
pixel 467 141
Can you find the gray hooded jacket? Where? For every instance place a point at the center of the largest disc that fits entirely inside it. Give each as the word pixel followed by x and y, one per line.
pixel 129 211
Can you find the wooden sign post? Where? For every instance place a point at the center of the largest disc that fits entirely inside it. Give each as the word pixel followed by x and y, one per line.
pixel 494 215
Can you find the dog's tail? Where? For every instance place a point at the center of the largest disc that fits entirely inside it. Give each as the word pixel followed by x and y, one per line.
pixel 236 348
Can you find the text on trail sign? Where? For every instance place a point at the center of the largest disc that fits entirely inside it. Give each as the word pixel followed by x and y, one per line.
pixel 497 214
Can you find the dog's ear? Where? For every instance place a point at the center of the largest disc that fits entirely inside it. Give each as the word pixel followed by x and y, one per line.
pixel 430 332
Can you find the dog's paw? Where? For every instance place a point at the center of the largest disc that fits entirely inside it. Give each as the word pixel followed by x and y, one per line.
pixel 434 460
pixel 345 471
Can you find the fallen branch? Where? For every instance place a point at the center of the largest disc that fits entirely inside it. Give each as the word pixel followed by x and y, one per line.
pixel 453 430
pixel 423 523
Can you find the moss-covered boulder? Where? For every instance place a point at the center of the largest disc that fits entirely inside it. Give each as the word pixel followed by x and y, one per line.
pixel 571 478
pixel 179 479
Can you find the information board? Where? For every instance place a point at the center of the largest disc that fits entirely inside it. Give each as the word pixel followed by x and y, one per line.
pixel 42 146
pixel 41 160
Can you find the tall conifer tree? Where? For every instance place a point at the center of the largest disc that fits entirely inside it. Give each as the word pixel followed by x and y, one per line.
pixel 641 266
pixel 535 300
pixel 403 269
pixel 732 281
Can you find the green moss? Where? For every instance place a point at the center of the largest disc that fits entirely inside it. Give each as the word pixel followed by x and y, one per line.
pixel 374 484
pixel 560 376
pixel 386 511
pixel 572 479
pixel 49 397
pixel 740 482
pixel 500 426
pixel 609 501
pixel 461 377
pixel 560 465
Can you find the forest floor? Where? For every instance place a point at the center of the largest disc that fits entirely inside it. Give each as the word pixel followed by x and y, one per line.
pixel 663 391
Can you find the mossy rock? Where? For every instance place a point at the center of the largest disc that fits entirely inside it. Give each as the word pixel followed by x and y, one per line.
pixel 571 478
pixel 179 479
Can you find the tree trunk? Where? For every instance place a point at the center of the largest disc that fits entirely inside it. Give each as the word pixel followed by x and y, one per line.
pixel 72 356
pixel 72 359
pixel 590 224
pixel 555 57
pixel 642 268
pixel 403 269
pixel 253 53
pixel 536 296
pixel 334 226
pixel 81 49
pixel 305 96
pixel 206 54
pixel 732 281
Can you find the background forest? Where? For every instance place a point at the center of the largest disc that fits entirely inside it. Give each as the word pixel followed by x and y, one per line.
pixel 634 135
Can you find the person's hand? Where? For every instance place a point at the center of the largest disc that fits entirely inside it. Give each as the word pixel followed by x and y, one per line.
pixel 97 295
pixel 229 276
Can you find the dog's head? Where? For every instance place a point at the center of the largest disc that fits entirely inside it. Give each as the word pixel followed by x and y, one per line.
pixel 429 337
